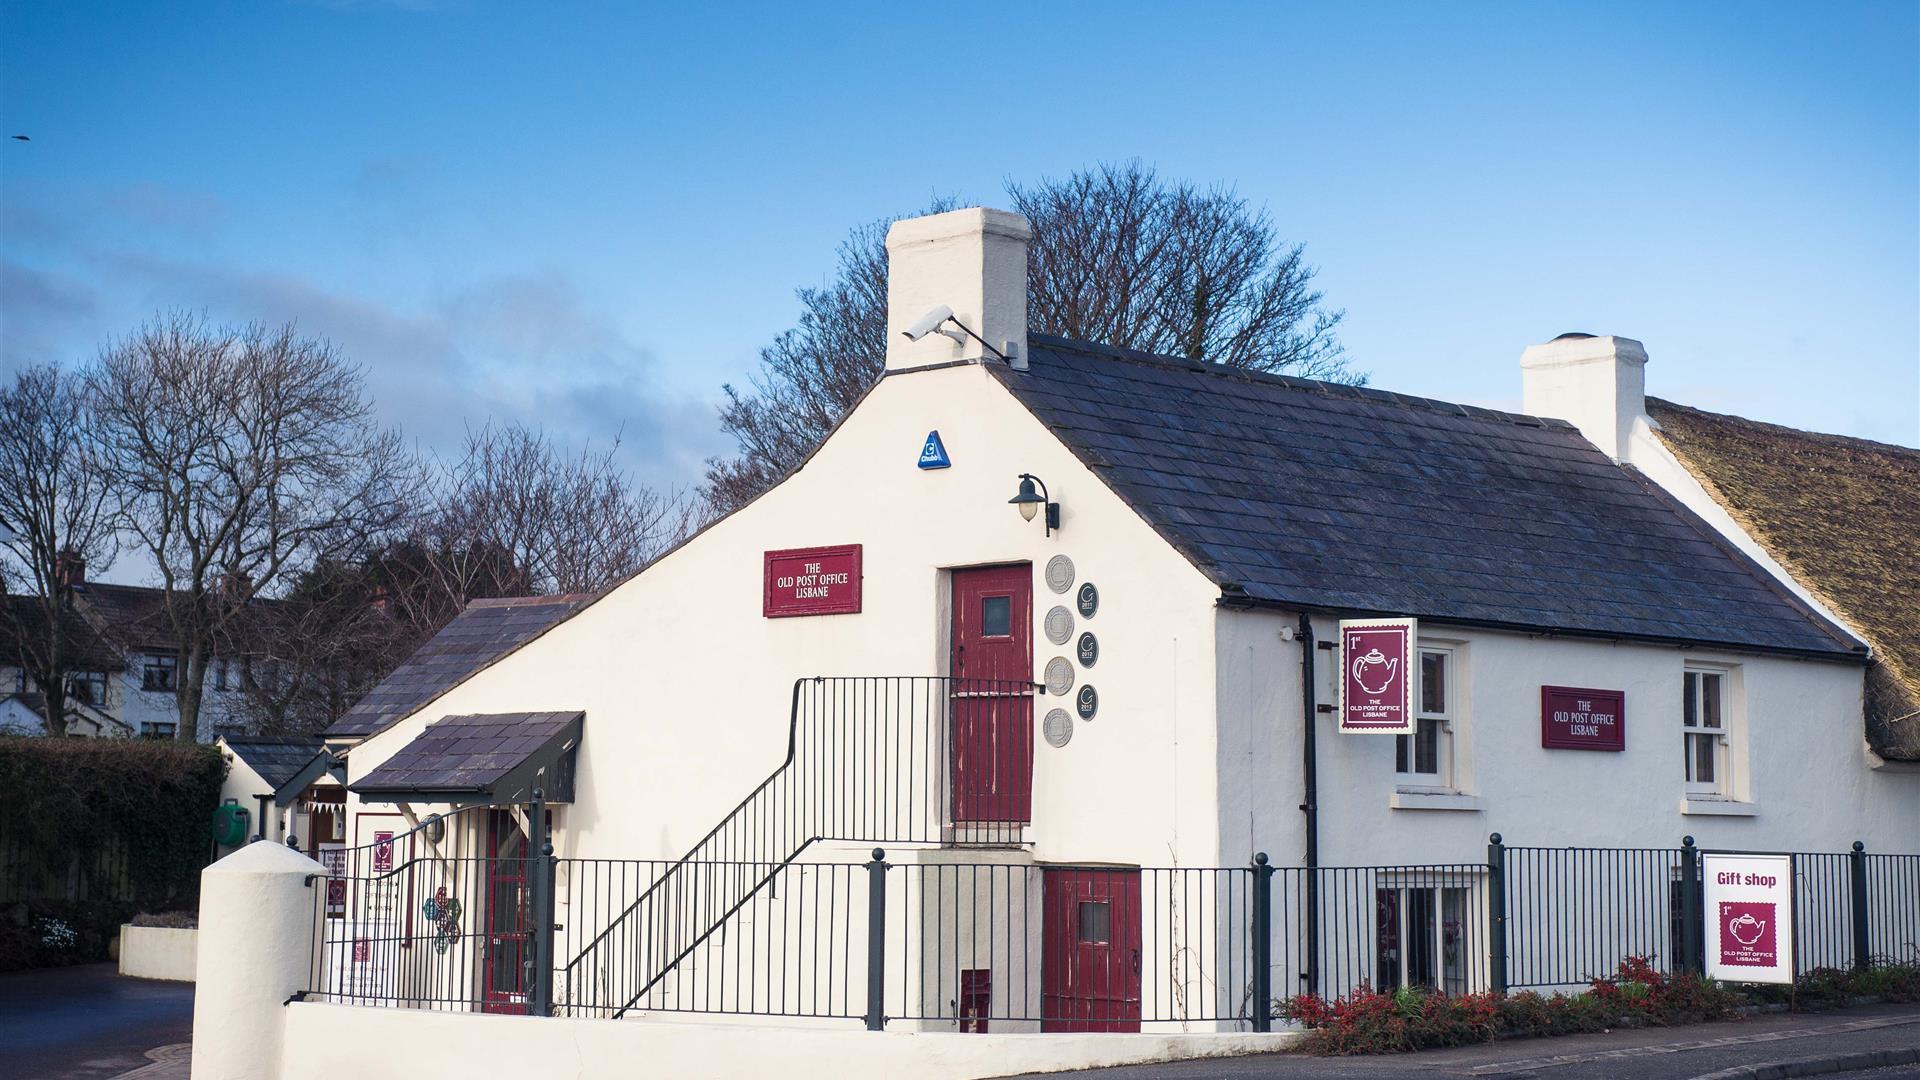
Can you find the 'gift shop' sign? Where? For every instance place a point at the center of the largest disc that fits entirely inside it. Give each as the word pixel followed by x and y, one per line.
pixel 1575 718
pixel 811 581
pixel 1749 914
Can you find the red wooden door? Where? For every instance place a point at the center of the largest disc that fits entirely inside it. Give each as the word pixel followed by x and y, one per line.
pixel 992 694
pixel 508 944
pixel 1090 951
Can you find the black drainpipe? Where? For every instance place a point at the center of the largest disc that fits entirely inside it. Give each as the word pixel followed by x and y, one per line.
pixel 1309 710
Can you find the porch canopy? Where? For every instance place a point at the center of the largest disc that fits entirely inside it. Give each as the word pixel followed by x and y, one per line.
pixel 485 759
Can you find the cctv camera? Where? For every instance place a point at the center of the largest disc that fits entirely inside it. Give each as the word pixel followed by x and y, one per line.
pixel 931 322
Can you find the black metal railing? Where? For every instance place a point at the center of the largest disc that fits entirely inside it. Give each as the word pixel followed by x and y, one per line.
pixel 449 915
pixel 423 918
pixel 872 759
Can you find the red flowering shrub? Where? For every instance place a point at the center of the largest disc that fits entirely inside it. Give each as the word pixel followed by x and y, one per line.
pixel 1415 1018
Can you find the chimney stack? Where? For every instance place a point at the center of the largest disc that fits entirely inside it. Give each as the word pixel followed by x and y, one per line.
pixel 70 568
pixel 973 261
pixel 1597 384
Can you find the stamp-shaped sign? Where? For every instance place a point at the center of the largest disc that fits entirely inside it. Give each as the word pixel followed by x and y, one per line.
pixel 1377 672
pixel 1749 913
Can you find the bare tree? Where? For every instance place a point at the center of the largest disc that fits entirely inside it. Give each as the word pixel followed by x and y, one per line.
pixel 1119 256
pixel 515 515
pixel 1124 258
pixel 55 518
pixel 240 456
pixel 562 522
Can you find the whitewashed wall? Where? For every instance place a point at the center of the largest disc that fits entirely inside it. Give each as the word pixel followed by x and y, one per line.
pixel 1807 775
pixel 687 687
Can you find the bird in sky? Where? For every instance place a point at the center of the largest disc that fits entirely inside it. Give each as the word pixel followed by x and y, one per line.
pixel 23 138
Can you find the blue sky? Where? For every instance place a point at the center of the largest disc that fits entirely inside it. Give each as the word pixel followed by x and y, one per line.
pixel 592 216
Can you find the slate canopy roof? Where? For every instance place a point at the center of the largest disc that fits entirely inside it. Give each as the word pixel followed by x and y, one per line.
pixel 493 758
pixel 277 758
pixel 1315 496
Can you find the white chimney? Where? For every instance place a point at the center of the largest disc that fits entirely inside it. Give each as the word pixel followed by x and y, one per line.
pixel 973 261
pixel 1597 384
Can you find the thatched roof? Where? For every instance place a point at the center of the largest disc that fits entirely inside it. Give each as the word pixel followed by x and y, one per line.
pixel 1843 517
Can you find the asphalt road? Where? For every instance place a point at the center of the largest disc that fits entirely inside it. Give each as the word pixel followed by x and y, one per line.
pixel 1647 1054
pixel 86 1022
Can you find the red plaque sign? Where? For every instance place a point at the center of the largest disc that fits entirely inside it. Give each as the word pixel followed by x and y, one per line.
pixel 1377 670
pixel 1575 718
pixel 811 581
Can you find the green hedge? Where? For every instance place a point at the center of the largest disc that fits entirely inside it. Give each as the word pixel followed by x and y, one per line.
pixel 93 830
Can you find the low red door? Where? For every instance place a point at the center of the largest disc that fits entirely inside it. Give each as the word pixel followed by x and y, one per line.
pixel 1090 952
pixel 508 944
pixel 992 695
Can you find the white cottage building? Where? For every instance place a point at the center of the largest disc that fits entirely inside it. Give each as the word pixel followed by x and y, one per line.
pixel 1062 717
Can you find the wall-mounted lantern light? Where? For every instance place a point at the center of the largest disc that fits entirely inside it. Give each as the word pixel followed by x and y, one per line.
pixel 435 827
pixel 1030 501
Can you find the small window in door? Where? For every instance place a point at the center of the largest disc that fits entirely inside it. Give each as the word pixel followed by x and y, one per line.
pixel 996 616
pixel 1096 922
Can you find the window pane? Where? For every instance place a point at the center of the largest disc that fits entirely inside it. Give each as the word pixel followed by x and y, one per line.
pixel 1703 755
pixel 1689 701
pixel 996 616
pixel 1433 683
pixel 1400 753
pixel 1095 922
pixel 1710 700
pixel 1426 749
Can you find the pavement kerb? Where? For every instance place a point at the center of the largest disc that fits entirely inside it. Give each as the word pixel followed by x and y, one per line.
pixel 1818 1066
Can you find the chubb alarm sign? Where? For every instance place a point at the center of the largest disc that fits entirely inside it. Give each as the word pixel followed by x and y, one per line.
pixel 1749 914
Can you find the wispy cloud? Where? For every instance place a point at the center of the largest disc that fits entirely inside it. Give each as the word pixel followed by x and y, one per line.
pixel 527 346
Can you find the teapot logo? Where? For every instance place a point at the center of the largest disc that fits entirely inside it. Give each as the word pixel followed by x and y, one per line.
pixel 1375 671
pixel 1747 934
pixel 1746 929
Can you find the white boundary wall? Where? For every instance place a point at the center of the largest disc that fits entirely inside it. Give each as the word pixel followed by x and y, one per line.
pixel 324 1042
pixel 157 952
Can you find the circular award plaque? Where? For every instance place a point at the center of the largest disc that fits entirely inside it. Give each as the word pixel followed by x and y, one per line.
pixel 1057 727
pixel 1059 624
pixel 1059 676
pixel 1060 573
pixel 1087 702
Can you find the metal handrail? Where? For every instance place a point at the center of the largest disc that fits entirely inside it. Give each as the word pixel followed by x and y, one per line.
pixel 787 825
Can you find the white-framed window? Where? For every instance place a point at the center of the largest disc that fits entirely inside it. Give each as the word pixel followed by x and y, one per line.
pixel 1423 937
pixel 1424 759
pixel 153 729
pixel 1704 731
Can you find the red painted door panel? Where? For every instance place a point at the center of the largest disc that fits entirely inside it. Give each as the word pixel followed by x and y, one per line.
pixel 992 696
pixel 1090 952
pixel 508 944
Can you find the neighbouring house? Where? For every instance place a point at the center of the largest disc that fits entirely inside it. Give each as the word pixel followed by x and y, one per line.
pixel 1841 518
pixel 126 673
pixel 95 682
pixel 1225 613
pixel 288 784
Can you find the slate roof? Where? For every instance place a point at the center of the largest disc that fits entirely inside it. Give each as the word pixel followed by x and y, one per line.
pixel 486 631
pixel 135 615
pixel 1843 517
pixel 470 754
pixel 25 620
pixel 1311 495
pixel 277 758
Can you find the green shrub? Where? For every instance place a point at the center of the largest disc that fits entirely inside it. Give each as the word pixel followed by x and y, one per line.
pixel 93 830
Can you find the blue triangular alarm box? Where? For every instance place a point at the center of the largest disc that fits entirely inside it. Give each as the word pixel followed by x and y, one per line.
pixel 933 455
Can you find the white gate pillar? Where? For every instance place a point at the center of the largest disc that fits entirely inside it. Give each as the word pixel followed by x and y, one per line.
pixel 259 911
